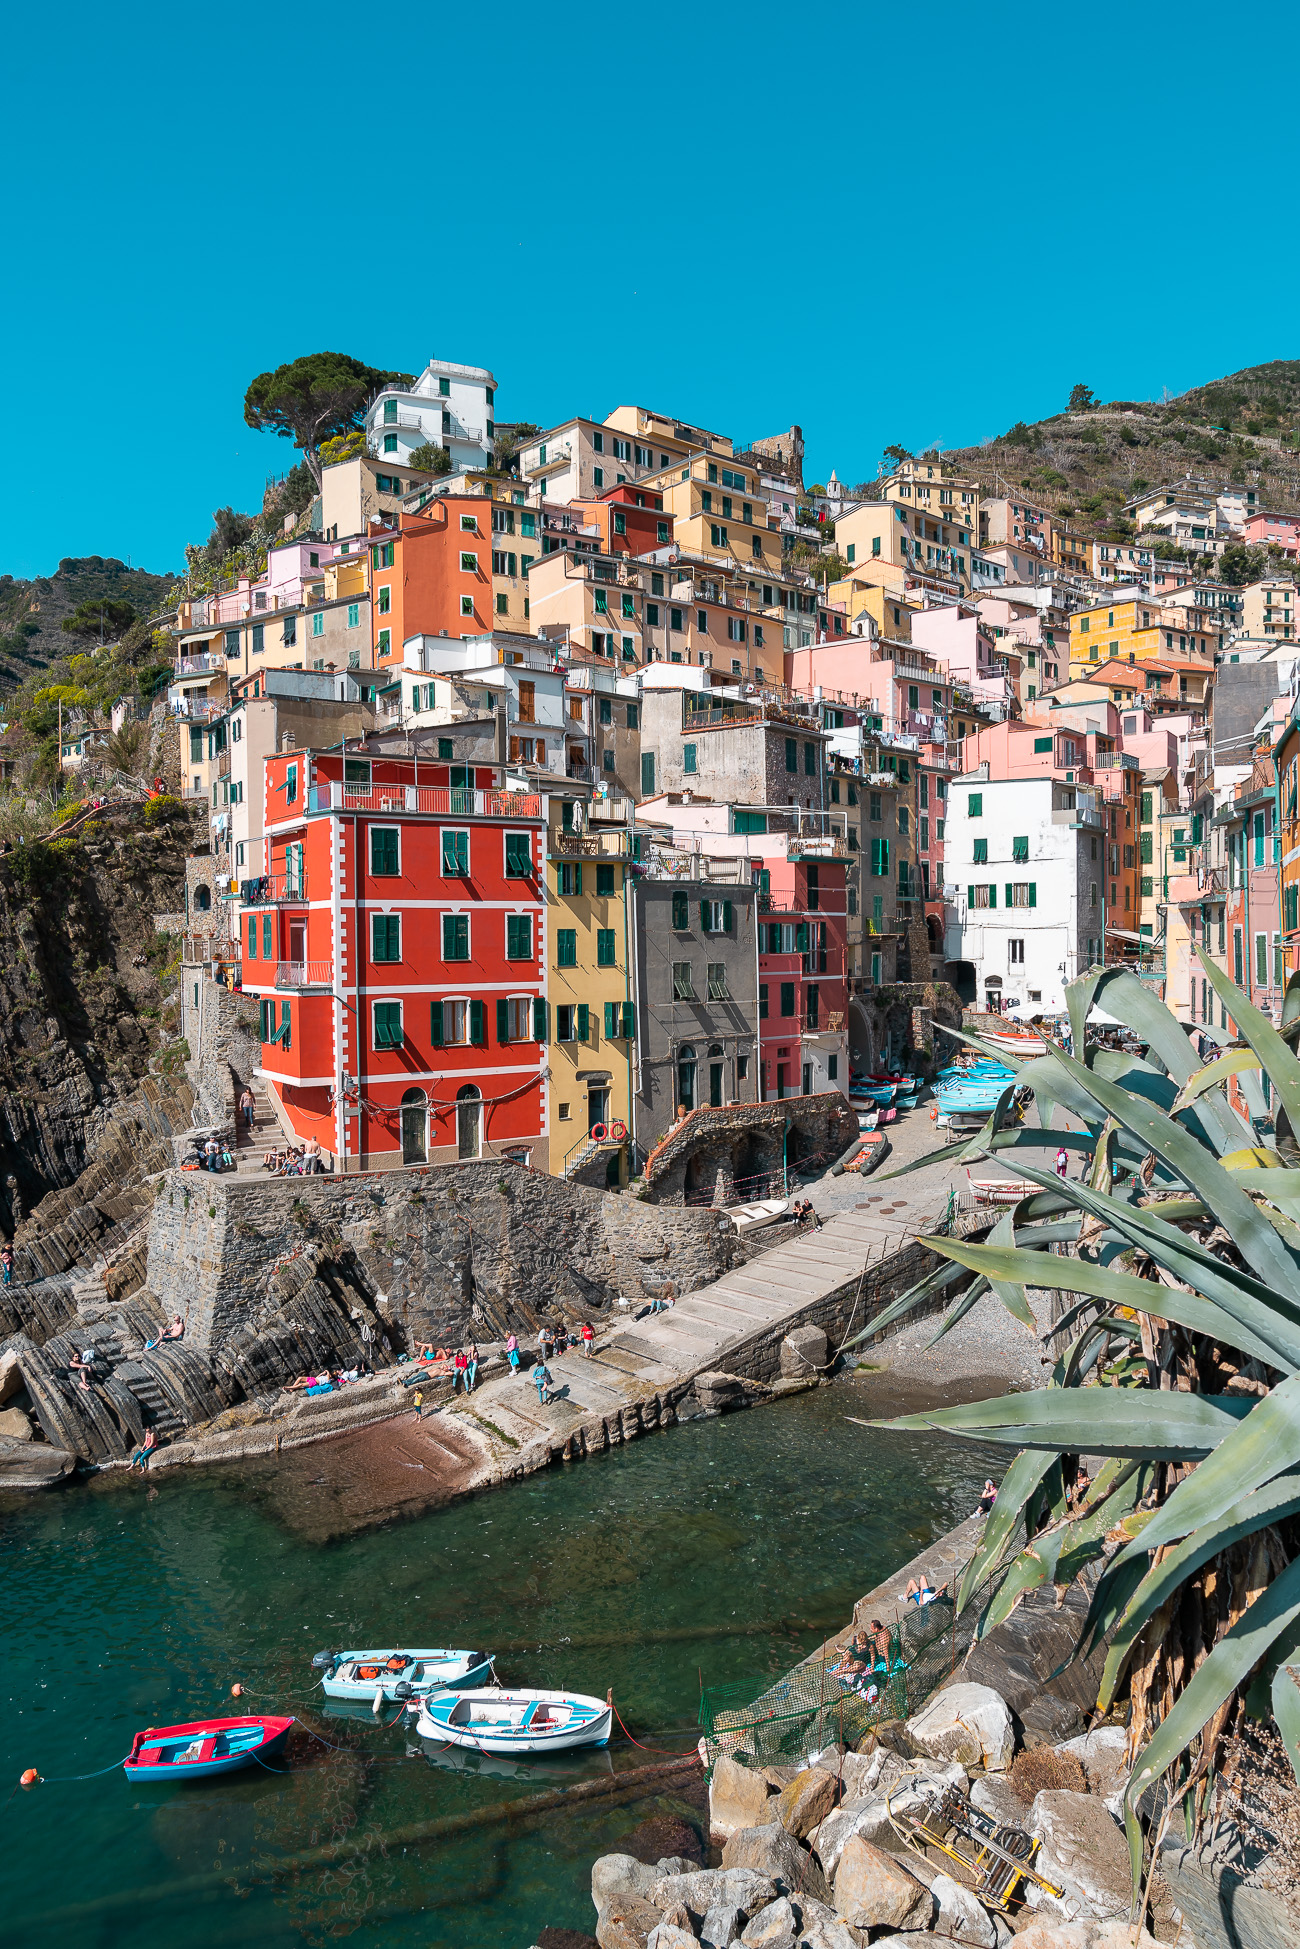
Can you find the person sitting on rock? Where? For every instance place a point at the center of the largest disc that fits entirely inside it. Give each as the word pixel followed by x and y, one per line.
pixel 988 1498
pixel 175 1331
pixel 881 1640
pixel 143 1453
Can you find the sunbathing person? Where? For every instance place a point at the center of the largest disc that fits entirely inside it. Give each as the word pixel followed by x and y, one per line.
pixel 921 1591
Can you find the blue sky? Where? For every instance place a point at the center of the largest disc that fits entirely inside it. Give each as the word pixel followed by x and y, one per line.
pixel 882 224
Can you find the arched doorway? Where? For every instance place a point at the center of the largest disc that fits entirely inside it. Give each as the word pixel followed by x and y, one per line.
pixel 686 1076
pixel 716 1073
pixel 415 1123
pixel 202 900
pixel 469 1121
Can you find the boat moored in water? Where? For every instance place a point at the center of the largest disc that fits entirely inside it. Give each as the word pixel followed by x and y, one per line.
pixel 509 1722
pixel 203 1748
pixel 396 1674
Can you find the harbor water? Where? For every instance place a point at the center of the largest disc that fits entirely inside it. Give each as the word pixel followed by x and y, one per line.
pixel 724 1549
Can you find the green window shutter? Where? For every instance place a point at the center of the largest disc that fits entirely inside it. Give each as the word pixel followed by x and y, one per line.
pixel 541 1028
pixel 993 896
pixel 647 774
pixel 704 916
pixel 577 878
pixel 681 912
pixel 787 998
pixel 605 949
pixel 604 881
pixel 266 937
pixel 519 856
pixel 1146 842
pixel 435 1024
pixel 629 1020
pixel 1144 814
pixel 503 1021
pixel 726 916
pixel 1033 893
pixel 975 806
pixel 566 947
pixel 1042 744
pixel 1009 902
pixel 792 754
pixel 970 896
pixel 884 856
pixel 801 937
pixel 584 1021
pixel 611 1020
pixel 252 937
pixel 477 1032
pixel 285 1025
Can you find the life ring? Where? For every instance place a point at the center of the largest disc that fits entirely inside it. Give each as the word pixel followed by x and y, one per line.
pixel 618 1130
pixel 598 1133
pixel 934 1115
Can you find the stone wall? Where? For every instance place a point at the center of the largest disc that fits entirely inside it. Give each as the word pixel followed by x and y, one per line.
pixel 712 1152
pixel 223 1032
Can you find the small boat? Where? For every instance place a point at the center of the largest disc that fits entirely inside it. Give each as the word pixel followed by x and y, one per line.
pixel 1002 1191
pixel 752 1217
pixel 207 1746
pixel 392 1675
pixel 868 1119
pixel 494 1721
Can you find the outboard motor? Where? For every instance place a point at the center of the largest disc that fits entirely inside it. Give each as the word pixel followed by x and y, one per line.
pixel 325 1661
pixel 403 1689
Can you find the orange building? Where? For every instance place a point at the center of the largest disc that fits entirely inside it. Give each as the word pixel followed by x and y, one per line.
pixel 449 571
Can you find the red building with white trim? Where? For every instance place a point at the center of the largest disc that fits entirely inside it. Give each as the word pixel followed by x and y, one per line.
pixel 802 984
pixel 396 941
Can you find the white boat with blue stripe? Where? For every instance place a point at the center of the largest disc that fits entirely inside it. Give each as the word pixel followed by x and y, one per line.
pixel 395 1674
pixel 498 1721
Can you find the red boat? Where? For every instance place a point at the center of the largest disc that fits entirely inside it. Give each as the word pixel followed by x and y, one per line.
pixel 205 1747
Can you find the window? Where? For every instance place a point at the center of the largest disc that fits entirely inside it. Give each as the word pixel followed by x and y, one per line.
pixel 873 807
pixel 267 927
pixel 980 852
pixel 515 1019
pixel 1016 953
pixel 466 609
pixel 982 896
pixel 717 981
pixel 568 880
pixel 1020 849
pixel 605 951
pixel 787 998
pixel 455 855
pixel 572 1022
pixel 681 912
pixel 904 818
pixel 810 760
pixel 519 856
pixel 387 1025
pixel 455 937
pixel 683 986
pixel 975 805
pixel 688 758
pixel 791 754
pixel 604 882
pixel 318 624
pixel 715 916
pixel 566 947
pixel 647 774
pixel 1022 893
pixel 1261 960
pixel 519 937
pixel 879 857
pixel 385 937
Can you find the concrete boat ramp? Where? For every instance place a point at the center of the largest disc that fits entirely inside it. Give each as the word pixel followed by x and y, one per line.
pixel 642 1368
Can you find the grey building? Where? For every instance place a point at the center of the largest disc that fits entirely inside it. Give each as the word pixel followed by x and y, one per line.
pixel 697 998
pixel 740 751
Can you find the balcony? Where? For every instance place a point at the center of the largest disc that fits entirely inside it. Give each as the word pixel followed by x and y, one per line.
pixel 437 802
pixel 1080 818
pixel 305 974
pixel 819 845
pixel 200 666
pixel 586 845
pixel 274 890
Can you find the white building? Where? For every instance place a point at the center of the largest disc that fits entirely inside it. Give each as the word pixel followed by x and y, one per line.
pixel 1023 860
pixel 452 406
pixel 450 680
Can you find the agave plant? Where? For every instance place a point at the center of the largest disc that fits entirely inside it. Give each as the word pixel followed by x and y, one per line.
pixel 1175 1268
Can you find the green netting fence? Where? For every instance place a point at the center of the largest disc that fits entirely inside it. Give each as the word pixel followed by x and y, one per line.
pixel 779 1724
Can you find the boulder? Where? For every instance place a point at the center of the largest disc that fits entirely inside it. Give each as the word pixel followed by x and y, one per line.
pixel 996 1797
pixel 805 1352
pixel 31 1464
pixel 14 1424
pixel 774 1927
pixel 869 1818
pixel 961 1915
pixel 676 1864
pixel 1110 1934
pixel 821 1928
pixel 737 1798
pixel 1101 1755
pixel 621 1874
pixel 1046 1719
pixel 862 1774
pixel 722 1925
pixel 1085 1851
pixel 806 1801
pixel 771 1851
pixel 969 1723
pixel 670 1935
pixel 717 1391
pixel 627 1923
pixel 873 1890
pixel 701 1889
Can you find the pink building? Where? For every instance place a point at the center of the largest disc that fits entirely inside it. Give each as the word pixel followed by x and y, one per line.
pixel 986 666
pixel 1282 531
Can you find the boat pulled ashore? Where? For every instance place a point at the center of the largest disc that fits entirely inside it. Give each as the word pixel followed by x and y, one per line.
pixel 499 1721
pixel 395 1674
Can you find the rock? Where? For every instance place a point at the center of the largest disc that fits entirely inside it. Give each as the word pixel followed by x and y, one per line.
pixel 869 1818
pixel 620 1874
pixel 821 1928
pixel 774 1927
pixel 1046 1719
pixel 676 1864
pixel 1101 1755
pixel 961 1915
pixel 738 1798
pixel 1110 1934
pixel 627 1923
pixel 660 1835
pixel 670 1935
pixel 905 1939
pixel 771 1851
pixel 15 1425
pixel 565 1939
pixel 873 1890
pixel 969 1723
pixel 722 1925
pixel 715 1390
pixel 863 1774
pixel 1084 1850
pixel 996 1797
pixel 31 1464
pixel 805 1352
pixel 778 1777
pixel 806 1801
pixel 701 1889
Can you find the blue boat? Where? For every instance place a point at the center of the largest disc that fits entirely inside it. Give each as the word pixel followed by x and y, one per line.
pixel 203 1748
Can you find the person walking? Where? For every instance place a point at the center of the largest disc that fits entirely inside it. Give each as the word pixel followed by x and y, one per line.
pixel 512 1352
pixel 1062 1162
pixel 588 1338
pixel 7 1266
pixel 542 1375
pixel 471 1367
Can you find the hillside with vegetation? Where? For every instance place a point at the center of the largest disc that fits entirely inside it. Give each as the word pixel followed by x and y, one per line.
pixel 1086 462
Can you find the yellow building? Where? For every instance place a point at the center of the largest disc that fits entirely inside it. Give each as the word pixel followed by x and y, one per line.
pixel 589 989
pixel 888 541
pixel 1269 608
pixel 926 485
pixel 720 511
pixel 1132 629
pixel 891 615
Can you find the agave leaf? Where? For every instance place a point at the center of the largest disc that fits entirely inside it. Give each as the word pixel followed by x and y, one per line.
pixel 985 1048
pixel 1214 1073
pixel 1011 1294
pixel 1133 1002
pixel 972 1295
pixel 1115 1588
pixel 1022 1480
pixel 1191 1310
pixel 1240 1648
pixel 1277 1060
pixel 1060 1553
pixel 1262 1446
pixel 1096 1420
pixel 898 1309
pixel 1278 1498
pixel 1286 1711
pixel 1271 1320
pixel 1258 1243
pixel 1291 1006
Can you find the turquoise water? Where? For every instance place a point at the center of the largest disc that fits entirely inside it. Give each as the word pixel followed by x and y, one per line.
pixel 724 1549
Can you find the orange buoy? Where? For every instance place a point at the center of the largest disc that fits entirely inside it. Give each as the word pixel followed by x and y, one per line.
pixel 236 1691
pixel 28 1777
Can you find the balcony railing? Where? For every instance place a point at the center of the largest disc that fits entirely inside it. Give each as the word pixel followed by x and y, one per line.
pixel 587 845
pixel 305 974
pixel 820 845
pixel 440 802
pixel 273 889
